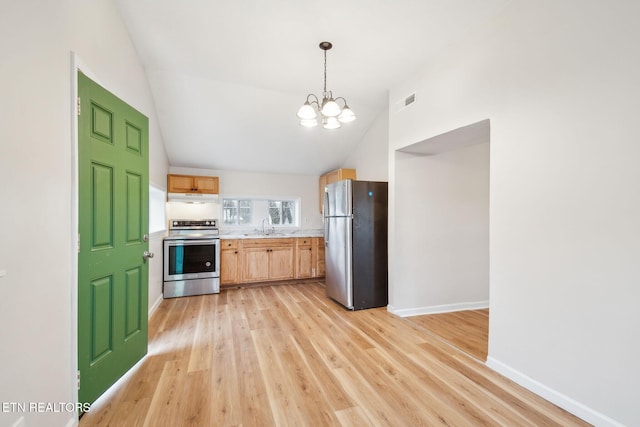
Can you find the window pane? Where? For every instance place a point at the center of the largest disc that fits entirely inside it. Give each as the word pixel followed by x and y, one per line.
pixel 274 212
pixel 287 212
pixel 229 212
pixel 244 212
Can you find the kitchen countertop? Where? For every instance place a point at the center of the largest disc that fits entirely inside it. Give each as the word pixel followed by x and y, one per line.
pixel 252 234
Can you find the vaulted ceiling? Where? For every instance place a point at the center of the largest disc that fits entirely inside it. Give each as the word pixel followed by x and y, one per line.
pixel 228 77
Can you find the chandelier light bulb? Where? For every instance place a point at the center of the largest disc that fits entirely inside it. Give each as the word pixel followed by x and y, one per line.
pixel 330 123
pixel 347 115
pixel 307 112
pixel 331 108
pixel 309 123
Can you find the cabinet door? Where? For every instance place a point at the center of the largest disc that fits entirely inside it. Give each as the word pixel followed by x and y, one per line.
pixel 180 184
pixel 333 176
pixel 347 174
pixel 255 264
pixel 304 261
pixel 229 262
pixel 206 184
pixel 281 263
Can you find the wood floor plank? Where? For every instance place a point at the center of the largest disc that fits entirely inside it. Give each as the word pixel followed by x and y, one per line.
pixel 288 356
pixel 252 393
pixel 467 330
pixel 352 417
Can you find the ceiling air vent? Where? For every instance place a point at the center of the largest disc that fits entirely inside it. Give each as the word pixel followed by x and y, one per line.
pixel 404 103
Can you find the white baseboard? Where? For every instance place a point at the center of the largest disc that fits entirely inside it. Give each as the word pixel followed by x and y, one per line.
pixel 155 306
pixel 565 402
pixel 445 308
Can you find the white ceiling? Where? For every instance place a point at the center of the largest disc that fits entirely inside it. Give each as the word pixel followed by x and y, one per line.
pixel 228 77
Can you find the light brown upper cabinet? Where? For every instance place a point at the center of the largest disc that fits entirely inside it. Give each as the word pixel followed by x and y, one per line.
pixel 333 176
pixel 192 184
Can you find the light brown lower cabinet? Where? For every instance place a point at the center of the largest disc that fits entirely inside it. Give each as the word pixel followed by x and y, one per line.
pixel 267 259
pixel 305 257
pixel 229 262
pixel 263 260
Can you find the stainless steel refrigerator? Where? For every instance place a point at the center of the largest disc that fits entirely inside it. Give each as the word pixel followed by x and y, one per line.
pixel 355 233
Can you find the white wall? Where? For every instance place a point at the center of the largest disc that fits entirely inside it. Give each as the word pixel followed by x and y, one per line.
pixel 443 246
pixel 235 183
pixel 559 82
pixel 370 158
pixel 37 240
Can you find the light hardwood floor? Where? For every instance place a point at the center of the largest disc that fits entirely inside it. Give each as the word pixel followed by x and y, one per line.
pixel 467 330
pixel 286 355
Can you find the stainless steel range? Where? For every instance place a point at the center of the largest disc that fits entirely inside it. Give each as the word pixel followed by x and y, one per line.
pixel 192 258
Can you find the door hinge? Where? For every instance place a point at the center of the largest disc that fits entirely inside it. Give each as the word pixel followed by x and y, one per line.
pixel 78 107
pixel 78 379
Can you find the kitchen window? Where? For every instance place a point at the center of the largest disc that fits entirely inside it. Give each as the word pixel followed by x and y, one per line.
pixel 250 212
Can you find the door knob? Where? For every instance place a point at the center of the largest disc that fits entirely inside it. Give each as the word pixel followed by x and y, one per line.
pixel 146 255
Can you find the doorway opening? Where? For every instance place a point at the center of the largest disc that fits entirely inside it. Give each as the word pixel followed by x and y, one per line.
pixel 441 244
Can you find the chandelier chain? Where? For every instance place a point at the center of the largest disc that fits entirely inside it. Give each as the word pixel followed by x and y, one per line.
pixel 325 74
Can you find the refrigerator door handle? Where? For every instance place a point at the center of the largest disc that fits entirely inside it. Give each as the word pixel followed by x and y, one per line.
pixel 325 204
pixel 326 232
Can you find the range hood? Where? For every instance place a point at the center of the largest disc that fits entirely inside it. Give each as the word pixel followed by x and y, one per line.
pixel 192 197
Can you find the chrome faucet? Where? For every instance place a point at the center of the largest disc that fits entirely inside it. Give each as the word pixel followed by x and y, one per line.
pixel 267 231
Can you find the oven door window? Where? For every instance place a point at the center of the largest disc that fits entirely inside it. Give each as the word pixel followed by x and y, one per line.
pixel 191 259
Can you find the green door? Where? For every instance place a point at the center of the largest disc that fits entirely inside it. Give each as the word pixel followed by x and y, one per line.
pixel 113 169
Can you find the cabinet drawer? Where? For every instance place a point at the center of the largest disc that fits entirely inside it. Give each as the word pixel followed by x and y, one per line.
pixel 228 244
pixel 267 243
pixel 305 241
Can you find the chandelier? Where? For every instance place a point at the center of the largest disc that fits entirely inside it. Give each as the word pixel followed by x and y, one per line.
pixel 331 114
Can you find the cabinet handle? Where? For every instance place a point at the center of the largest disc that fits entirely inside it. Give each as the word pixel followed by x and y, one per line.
pixel 309 248
pixel 235 252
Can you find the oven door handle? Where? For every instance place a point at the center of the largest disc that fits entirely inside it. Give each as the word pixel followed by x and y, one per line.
pixel 184 242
